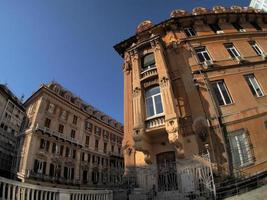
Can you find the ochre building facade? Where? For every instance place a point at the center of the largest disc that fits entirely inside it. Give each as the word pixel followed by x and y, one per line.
pixel 194 82
pixel 68 142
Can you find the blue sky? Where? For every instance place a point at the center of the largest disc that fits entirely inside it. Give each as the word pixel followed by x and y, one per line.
pixel 71 41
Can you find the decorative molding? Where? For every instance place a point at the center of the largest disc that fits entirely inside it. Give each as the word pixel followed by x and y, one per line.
pixel 164 82
pixel 136 92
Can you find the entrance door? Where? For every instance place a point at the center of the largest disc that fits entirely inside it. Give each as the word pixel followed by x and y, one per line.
pixel 167 175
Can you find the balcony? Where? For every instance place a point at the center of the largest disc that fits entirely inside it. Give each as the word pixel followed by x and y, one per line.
pixel 151 72
pixel 57 134
pixel 155 122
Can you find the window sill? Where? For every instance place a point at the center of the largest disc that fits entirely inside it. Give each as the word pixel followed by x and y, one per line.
pixel 147 70
pixel 226 105
pixel 154 116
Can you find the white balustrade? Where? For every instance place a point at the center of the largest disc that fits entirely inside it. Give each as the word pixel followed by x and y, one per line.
pixel 14 190
pixel 155 122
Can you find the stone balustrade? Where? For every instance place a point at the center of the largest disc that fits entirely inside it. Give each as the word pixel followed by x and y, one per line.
pixel 155 122
pixel 14 190
pixel 149 73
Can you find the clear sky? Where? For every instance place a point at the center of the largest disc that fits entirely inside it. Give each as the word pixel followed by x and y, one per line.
pixel 71 41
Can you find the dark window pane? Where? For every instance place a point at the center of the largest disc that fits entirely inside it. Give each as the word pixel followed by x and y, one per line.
pixel 217 93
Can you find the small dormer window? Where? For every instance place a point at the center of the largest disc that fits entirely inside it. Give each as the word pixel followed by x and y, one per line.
pixel 238 27
pixel 216 28
pixel 190 31
pixel 148 62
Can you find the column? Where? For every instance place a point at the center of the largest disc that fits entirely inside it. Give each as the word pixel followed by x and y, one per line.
pixel 171 117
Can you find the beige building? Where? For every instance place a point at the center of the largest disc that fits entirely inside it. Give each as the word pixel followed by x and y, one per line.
pixel 69 142
pixel 12 116
pixel 195 81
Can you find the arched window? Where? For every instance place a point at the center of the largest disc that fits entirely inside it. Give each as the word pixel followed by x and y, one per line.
pixel 148 61
pixel 153 102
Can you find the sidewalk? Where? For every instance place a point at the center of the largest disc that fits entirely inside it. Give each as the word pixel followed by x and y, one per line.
pixel 257 194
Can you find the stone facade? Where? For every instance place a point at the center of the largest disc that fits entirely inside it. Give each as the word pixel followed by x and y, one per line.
pixel 196 81
pixel 12 117
pixel 69 142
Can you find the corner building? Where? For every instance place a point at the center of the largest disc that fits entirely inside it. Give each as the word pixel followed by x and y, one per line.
pixel 68 142
pixel 193 82
pixel 12 120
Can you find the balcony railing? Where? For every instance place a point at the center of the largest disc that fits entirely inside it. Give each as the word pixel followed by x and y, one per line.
pixel 57 134
pixel 149 73
pixel 155 122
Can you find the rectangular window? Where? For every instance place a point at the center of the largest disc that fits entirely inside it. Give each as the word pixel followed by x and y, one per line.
pixel 105 147
pixel 54 147
pixel 61 150
pixel 256 26
pixel 39 167
pixel 222 95
pixel 87 140
pixel 232 50
pixel 256 48
pixel 190 31
pixel 89 126
pixel 47 123
pixel 112 148
pixel 72 134
pixel 238 27
pixel 96 145
pixel 60 128
pixel 216 28
pixel 202 54
pixel 97 131
pixel 67 152
pixel 75 119
pixel 254 85
pixel 240 148
pixel 73 153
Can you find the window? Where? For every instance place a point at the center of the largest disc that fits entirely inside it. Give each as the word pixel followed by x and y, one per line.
pixel 105 147
pixel 119 150
pixel 72 134
pixel 39 167
pixel 51 108
pixel 67 152
pixel 256 48
pixel 47 123
pixel 216 28
pixel 148 62
pixel 61 150
pixel 256 26
pixel 254 85
pixel 60 128
pixel 87 140
pixel 240 148
pixel 83 156
pixel 51 170
pixel 54 147
pixel 64 115
pixel 97 131
pixel 202 54
pixel 75 119
pixel 73 153
pixel 89 126
pixel 232 50
pixel 238 27
pixel 222 95
pixel 153 102
pixel 96 145
pixel 112 148
pixel 190 31
pixel 44 144
pixel 69 173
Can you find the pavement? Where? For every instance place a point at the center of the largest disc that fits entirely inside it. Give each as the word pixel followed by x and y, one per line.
pixel 257 194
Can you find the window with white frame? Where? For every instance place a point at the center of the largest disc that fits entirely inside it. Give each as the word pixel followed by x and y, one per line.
pixel 240 148
pixel 153 102
pixel 256 48
pixel 222 95
pixel 190 31
pixel 232 50
pixel 148 62
pixel 39 166
pixel 69 173
pixel 254 85
pixel 202 54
